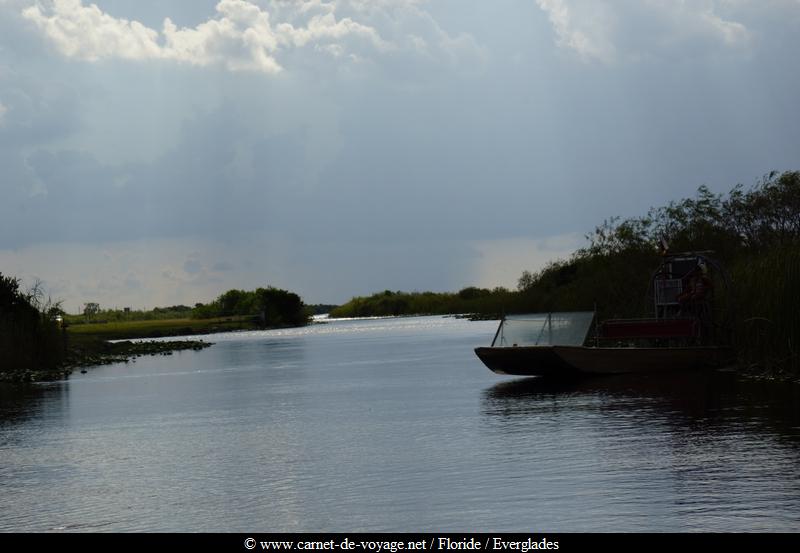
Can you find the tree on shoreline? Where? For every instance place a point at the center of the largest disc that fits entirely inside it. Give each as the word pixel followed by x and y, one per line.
pixel 30 338
pixel 270 306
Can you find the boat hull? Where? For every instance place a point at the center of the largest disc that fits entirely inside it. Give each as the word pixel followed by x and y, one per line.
pixel 574 360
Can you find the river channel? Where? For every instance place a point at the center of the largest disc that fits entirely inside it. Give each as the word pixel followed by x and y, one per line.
pixel 391 425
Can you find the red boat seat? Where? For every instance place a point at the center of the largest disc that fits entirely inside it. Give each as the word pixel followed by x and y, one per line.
pixel 623 329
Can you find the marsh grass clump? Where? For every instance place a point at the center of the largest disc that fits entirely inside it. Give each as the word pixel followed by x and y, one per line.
pixel 768 328
pixel 30 337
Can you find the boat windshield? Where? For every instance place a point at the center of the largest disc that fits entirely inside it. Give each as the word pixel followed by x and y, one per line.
pixel 544 329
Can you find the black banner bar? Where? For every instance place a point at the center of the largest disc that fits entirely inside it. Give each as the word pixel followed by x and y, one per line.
pixel 445 542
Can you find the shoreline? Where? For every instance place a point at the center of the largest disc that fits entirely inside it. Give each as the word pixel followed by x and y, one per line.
pixel 106 343
pixel 101 352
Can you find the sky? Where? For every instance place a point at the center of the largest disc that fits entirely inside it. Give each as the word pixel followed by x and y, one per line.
pixel 162 152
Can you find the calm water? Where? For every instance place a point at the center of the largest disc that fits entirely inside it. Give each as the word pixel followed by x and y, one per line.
pixel 391 425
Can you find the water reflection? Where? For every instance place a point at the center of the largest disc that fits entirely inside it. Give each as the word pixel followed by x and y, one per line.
pixel 22 403
pixel 699 451
pixel 707 402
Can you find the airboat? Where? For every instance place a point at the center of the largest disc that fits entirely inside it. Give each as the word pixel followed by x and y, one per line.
pixel 688 330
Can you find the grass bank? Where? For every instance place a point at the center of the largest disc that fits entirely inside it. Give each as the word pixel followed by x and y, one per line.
pixel 88 345
pixel 122 330
pixel 87 350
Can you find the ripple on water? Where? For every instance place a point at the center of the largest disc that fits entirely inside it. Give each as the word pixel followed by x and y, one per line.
pixel 391 425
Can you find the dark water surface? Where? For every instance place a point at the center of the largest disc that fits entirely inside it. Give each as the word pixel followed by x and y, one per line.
pixel 391 425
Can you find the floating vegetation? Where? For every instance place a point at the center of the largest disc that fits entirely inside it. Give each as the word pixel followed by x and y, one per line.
pixel 91 353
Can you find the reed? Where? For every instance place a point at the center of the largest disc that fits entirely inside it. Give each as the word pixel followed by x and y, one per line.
pixel 767 295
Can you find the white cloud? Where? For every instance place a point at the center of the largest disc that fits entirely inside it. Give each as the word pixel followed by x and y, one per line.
pixel 85 32
pixel 583 32
pixel 729 32
pixel 241 38
pixel 606 31
pixel 3 110
pixel 324 27
pixel 243 35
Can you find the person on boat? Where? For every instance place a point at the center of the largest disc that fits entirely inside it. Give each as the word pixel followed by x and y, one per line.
pixel 699 286
pixel 695 300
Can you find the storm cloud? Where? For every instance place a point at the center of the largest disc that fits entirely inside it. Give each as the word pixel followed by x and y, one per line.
pixel 343 147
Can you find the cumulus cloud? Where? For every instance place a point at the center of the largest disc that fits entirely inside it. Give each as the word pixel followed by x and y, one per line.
pixel 606 31
pixel 582 32
pixel 243 35
pixel 241 38
pixel 86 32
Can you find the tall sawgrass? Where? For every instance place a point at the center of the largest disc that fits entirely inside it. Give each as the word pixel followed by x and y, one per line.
pixel 615 284
pixel 767 295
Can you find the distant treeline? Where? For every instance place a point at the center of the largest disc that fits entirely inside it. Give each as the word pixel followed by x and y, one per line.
pixel 30 337
pixel 754 232
pixel 271 306
pixel 388 303
pixel 321 308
